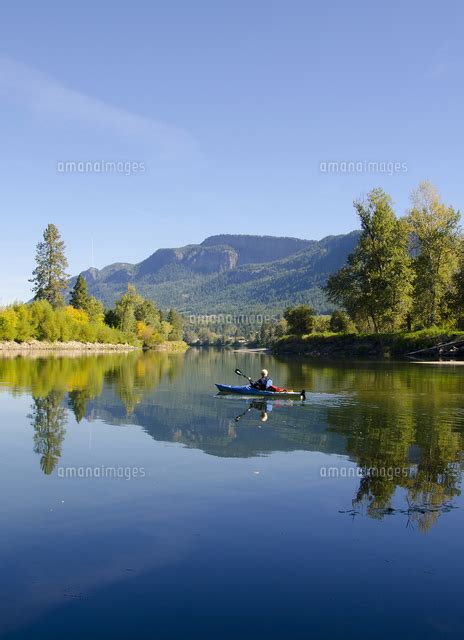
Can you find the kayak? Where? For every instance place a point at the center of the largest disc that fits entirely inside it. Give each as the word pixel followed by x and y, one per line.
pixel 247 390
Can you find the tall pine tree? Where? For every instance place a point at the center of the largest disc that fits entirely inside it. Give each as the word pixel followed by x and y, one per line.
pixel 79 296
pixel 49 278
pixel 175 320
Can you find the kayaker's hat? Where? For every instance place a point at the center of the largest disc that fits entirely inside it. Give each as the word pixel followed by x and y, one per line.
pixel 264 372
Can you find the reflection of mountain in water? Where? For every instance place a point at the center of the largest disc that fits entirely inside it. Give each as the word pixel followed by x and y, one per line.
pixel 211 427
pixel 382 417
pixel 401 424
pixel 185 409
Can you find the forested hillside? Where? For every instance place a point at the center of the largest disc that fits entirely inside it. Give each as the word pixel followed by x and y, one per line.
pixel 230 272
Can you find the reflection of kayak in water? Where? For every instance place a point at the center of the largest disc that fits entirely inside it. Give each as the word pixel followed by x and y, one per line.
pixel 247 390
pixel 261 405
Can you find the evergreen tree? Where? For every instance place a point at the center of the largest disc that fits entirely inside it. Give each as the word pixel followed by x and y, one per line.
pixel 111 318
pixel 79 296
pixel 375 285
pixel 49 422
pixel 177 325
pixel 49 278
pixel 435 232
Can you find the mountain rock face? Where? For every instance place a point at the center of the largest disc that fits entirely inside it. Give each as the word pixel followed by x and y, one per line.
pixel 230 274
pixel 258 249
pixel 198 258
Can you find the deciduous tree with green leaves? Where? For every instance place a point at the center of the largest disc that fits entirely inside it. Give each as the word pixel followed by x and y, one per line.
pixel 49 278
pixel 457 296
pixel 126 307
pixel 94 310
pixel 339 321
pixel 300 319
pixel 375 286
pixel 435 234
pixel 147 312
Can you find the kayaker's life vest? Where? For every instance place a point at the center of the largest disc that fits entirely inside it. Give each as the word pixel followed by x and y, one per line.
pixel 264 383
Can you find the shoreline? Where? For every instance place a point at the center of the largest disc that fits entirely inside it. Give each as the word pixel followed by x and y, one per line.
pixel 430 344
pixel 253 350
pixel 73 347
pixel 32 346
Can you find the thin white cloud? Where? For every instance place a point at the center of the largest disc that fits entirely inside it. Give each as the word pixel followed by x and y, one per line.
pixel 41 93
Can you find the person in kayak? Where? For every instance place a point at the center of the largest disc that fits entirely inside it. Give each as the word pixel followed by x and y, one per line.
pixel 264 383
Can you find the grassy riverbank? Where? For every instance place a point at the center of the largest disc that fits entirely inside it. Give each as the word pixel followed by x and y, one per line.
pixel 383 345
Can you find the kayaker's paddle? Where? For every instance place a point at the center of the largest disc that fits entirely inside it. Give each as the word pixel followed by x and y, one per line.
pixel 238 418
pixel 253 405
pixel 239 373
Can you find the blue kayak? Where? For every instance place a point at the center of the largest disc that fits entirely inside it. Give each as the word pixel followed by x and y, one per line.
pixel 247 390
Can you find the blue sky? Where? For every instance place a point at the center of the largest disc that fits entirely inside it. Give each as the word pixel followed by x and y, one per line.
pixel 230 106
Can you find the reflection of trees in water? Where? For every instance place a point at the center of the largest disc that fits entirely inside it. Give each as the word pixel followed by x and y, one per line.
pixel 83 377
pixel 400 417
pixel 409 429
pixel 436 476
pixel 131 375
pixel 134 377
pixel 78 403
pixel 49 422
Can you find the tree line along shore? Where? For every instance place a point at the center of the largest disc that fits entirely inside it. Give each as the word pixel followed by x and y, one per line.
pixel 81 323
pixel 400 290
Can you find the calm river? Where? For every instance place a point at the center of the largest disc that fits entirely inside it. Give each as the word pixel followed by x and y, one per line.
pixel 136 503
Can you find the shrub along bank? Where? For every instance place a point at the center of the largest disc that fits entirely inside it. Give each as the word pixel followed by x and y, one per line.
pixel 379 345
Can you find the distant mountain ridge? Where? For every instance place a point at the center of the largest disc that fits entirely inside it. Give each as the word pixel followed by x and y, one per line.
pixel 228 273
